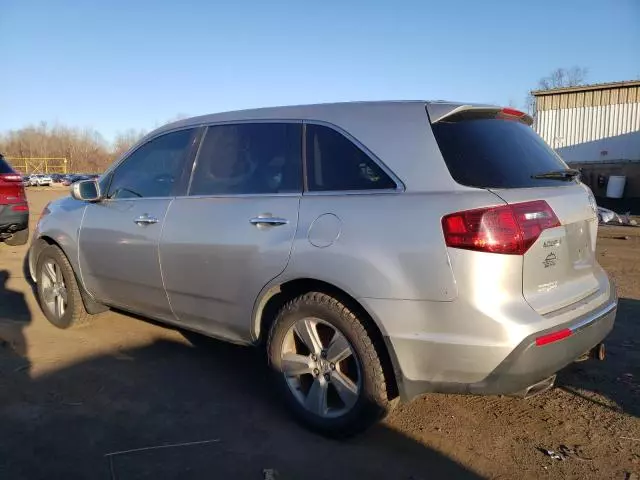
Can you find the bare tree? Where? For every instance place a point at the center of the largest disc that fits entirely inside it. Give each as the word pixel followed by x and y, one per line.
pixel 560 77
pixel 125 140
pixel 563 77
pixel 84 148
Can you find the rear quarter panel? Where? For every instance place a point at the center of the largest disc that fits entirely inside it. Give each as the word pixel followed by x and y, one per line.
pixel 388 246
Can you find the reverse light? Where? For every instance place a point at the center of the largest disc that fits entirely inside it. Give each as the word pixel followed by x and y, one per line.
pixel 507 229
pixel 553 337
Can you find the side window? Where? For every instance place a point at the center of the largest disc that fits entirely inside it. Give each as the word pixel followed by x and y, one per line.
pixel 335 163
pixel 154 169
pixel 249 158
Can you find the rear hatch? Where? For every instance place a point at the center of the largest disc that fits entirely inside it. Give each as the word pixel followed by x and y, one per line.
pixel 496 149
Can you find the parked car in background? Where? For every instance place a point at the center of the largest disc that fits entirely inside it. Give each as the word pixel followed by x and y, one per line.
pixel 40 180
pixel 71 179
pixel 14 209
pixel 377 249
pixel 45 180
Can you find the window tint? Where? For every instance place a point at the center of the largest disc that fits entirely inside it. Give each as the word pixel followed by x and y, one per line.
pixel 249 158
pixel 4 166
pixel 489 152
pixel 154 169
pixel 336 163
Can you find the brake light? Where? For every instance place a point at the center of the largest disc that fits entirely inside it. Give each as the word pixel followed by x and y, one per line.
pixel 507 229
pixel 10 177
pixel 553 337
pixel 512 112
pixel 20 208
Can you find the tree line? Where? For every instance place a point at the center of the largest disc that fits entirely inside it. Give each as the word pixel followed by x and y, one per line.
pixel 85 149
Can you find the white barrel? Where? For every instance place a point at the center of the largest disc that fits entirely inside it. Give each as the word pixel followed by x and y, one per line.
pixel 615 186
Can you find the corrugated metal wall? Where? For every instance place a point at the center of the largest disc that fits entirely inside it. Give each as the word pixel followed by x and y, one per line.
pixel 602 125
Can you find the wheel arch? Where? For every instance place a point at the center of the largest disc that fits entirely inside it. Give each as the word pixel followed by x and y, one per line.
pixel 90 304
pixel 273 297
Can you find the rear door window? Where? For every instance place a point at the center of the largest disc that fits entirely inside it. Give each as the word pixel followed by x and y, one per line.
pixel 249 158
pixel 495 153
pixel 335 163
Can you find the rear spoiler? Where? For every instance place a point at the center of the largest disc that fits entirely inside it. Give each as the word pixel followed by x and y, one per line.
pixel 438 112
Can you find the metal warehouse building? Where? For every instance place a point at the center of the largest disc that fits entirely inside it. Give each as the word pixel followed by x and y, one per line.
pixel 595 128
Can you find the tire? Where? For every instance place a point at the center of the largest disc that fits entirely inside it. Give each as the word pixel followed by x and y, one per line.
pixel 21 237
pixel 359 411
pixel 74 313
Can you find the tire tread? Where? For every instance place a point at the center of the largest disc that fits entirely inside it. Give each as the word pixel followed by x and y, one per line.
pixel 369 357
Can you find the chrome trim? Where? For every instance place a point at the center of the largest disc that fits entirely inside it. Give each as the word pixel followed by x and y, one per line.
pixel 243 195
pixel 268 221
pixel 400 186
pixel 145 219
pixel 338 193
pixel 593 317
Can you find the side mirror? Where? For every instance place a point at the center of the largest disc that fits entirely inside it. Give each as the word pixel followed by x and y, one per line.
pixel 86 190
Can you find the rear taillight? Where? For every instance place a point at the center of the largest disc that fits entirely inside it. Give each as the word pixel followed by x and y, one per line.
pixel 10 177
pixel 20 208
pixel 507 229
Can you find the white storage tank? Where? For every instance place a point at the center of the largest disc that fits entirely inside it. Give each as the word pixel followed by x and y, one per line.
pixel 615 186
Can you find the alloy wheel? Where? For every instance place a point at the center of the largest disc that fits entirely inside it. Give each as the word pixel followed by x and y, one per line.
pixel 321 368
pixel 54 290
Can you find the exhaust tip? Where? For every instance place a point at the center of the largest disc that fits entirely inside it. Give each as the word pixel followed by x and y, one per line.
pixel 540 387
pixel 599 352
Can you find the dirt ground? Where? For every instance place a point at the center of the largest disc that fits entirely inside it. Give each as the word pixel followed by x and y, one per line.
pixel 70 401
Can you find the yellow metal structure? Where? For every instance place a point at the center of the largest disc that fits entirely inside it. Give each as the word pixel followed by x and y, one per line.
pixel 38 165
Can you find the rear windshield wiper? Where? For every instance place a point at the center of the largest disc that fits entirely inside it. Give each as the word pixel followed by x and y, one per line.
pixel 565 175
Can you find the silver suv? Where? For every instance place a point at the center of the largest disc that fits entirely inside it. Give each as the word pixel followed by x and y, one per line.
pixel 378 250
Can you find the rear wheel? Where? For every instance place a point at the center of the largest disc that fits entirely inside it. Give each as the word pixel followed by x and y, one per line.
pixel 19 238
pixel 58 291
pixel 327 366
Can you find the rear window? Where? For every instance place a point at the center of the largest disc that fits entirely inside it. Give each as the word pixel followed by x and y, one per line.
pixel 495 153
pixel 4 166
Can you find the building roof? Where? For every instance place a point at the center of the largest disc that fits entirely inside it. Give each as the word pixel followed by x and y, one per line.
pixel 587 88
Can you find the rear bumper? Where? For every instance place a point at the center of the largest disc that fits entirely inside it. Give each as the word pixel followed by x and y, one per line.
pixel 528 363
pixel 12 221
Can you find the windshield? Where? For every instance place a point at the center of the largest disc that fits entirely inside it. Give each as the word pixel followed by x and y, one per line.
pixel 495 153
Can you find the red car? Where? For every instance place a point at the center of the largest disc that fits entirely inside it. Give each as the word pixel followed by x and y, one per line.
pixel 14 210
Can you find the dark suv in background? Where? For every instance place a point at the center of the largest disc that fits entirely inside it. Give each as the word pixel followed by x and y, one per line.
pixel 14 210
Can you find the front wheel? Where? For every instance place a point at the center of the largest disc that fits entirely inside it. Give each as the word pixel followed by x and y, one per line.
pixel 58 291
pixel 327 367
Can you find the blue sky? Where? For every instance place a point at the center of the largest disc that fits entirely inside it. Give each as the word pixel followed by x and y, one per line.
pixel 119 64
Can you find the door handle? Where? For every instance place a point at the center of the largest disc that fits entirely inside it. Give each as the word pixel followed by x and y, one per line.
pixel 145 219
pixel 264 221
